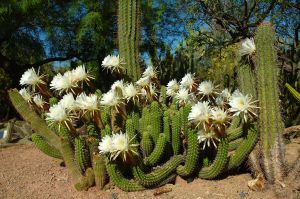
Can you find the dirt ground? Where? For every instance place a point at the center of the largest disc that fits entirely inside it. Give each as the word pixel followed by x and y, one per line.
pixel 26 172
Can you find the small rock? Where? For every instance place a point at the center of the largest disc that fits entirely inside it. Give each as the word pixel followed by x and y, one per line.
pixel 257 184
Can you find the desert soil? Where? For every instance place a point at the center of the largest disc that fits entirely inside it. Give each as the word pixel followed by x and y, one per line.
pixel 25 172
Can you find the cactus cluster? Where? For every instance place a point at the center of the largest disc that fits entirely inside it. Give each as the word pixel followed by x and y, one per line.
pixel 142 134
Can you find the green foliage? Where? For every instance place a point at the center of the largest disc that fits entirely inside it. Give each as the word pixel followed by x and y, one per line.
pixel 295 93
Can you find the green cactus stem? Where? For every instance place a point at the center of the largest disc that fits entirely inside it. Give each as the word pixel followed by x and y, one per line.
pixel 38 124
pixel 86 181
pixel 99 167
pixel 234 144
pixel 158 151
pixel 155 177
pixel 244 149
pixel 130 130
pixel 147 144
pixel 116 176
pixel 128 36
pixel 270 121
pixel 163 95
pixel 106 131
pixel 82 154
pixel 155 120
pixel 234 133
pixel 176 131
pixel 184 112
pixel 294 92
pixel 192 156
pixel 219 163
pixel 42 145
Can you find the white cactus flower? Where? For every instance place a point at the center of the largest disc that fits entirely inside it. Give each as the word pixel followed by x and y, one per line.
pixel 219 116
pixel 88 103
pixel 182 96
pixel 80 74
pixel 121 146
pixel 57 114
pixel 106 145
pixel 150 72
pixel 242 104
pixel 63 83
pixel 187 81
pixel 225 94
pixel 220 101
pixel 200 113
pixel 5 133
pixel 206 88
pixel 143 81
pixel 247 47
pixel 110 99
pixel 118 87
pixel 31 78
pixel 207 138
pixel 25 94
pixel 68 102
pixel 131 93
pixel 38 100
pixel 113 63
pixel 152 90
pixel 172 88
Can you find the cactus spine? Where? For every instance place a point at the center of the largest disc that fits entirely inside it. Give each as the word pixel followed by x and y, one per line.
pixel 270 121
pixel 128 36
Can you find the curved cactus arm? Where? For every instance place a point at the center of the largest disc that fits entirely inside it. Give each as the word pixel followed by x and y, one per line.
pixel 158 151
pixel 37 123
pixel 82 154
pixel 176 130
pixel 155 177
pixel 234 133
pixel 192 156
pixel 234 144
pixel 42 145
pixel 244 149
pixel 147 144
pixel 219 163
pixel 119 180
pixel 86 181
pixel 99 167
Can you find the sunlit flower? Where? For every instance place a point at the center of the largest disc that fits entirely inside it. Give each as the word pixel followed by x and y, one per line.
pixel 25 94
pixel 106 145
pixel 38 100
pixel 57 114
pixel 80 74
pixel 88 103
pixel 63 83
pixel 206 88
pixel 150 72
pixel 219 116
pixel 200 113
pixel 187 81
pixel 31 78
pixel 242 104
pixel 68 101
pixel 182 96
pixel 172 88
pixel 143 81
pixel 247 47
pixel 131 93
pixel 207 138
pixel 152 90
pixel 113 63
pixel 110 99
pixel 5 133
pixel 121 146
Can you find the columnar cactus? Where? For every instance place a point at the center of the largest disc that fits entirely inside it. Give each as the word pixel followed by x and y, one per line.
pixel 128 36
